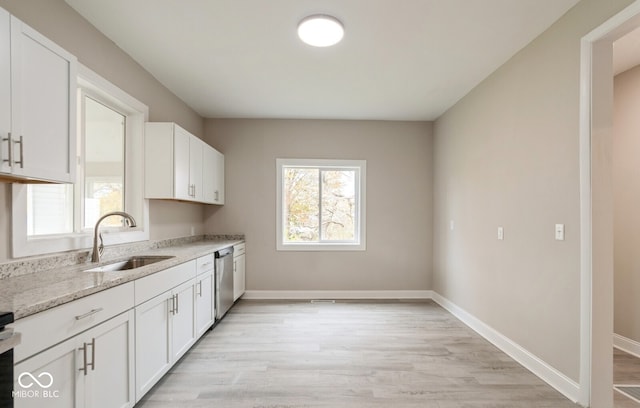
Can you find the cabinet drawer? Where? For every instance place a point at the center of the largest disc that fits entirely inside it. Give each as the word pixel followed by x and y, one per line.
pixel 45 329
pixel 238 250
pixel 204 263
pixel 160 282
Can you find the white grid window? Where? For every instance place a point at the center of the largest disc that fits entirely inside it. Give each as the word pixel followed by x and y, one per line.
pixel 321 204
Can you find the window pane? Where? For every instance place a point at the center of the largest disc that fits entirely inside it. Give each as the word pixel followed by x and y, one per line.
pixel 338 205
pixel 104 163
pixel 301 212
pixel 49 209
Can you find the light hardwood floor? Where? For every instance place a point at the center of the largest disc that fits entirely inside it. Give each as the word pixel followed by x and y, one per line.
pixel 626 370
pixel 348 354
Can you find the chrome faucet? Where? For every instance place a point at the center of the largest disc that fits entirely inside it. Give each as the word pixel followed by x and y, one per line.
pixel 98 250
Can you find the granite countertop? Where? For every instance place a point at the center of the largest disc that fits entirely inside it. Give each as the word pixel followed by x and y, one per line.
pixel 32 293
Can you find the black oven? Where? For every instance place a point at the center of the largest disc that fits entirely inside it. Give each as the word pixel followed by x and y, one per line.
pixel 8 340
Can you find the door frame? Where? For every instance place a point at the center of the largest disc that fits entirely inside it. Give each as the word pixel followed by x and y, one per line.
pixel 596 207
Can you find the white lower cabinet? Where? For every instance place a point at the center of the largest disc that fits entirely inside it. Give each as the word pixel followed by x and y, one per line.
pixel 165 330
pixel 238 271
pixel 153 354
pixel 183 330
pixel 92 369
pixel 110 348
pixel 204 302
pixel 110 380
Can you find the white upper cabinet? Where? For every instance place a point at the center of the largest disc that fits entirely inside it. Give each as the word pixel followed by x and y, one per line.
pixel 213 177
pixel 218 193
pixel 38 105
pixel 180 166
pixel 196 148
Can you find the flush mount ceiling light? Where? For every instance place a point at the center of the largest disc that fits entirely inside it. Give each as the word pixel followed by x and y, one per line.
pixel 320 30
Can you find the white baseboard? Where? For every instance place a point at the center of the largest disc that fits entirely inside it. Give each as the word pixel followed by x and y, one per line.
pixel 626 344
pixel 547 373
pixel 336 294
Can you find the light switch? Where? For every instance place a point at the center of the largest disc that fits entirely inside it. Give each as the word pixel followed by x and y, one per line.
pixel 559 232
pixel 500 233
pixel 451 225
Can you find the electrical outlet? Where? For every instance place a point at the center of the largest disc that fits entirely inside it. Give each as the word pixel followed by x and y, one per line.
pixel 500 233
pixel 559 232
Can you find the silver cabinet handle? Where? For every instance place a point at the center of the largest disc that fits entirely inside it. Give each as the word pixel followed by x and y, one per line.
pixel 85 362
pixel 9 141
pixel 217 195
pixel 177 303
pixel 172 308
pixel 21 161
pixel 199 289
pixel 84 358
pixel 93 354
pixel 90 313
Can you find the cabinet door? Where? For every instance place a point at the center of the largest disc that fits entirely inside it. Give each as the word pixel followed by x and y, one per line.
pixel 153 347
pixel 43 93
pixel 5 89
pixel 238 277
pixel 195 168
pixel 209 176
pixel 219 186
pixel 110 380
pixel 183 319
pixel 50 379
pixel 204 303
pixel 181 145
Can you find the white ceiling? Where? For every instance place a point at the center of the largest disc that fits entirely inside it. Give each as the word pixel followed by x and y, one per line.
pixel 399 60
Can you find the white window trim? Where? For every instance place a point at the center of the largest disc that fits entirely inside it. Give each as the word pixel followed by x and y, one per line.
pixel 137 114
pixel 360 198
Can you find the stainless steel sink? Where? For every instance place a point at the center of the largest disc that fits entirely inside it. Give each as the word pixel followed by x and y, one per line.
pixel 130 263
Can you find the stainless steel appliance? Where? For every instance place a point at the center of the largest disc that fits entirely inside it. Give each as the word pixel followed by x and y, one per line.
pixel 8 340
pixel 224 281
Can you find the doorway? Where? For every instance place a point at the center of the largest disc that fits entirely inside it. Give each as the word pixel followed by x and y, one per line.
pixel 596 213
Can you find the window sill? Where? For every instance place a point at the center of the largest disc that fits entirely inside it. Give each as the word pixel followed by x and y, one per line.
pixel 322 247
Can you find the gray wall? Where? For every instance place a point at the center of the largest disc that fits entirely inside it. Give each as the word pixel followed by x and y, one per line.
pixel 507 155
pixel 57 21
pixel 626 185
pixel 399 201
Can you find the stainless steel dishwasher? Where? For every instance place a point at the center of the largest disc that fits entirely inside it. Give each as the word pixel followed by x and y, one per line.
pixel 224 281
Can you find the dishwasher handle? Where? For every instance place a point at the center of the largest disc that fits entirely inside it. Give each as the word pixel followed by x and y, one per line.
pixel 224 252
